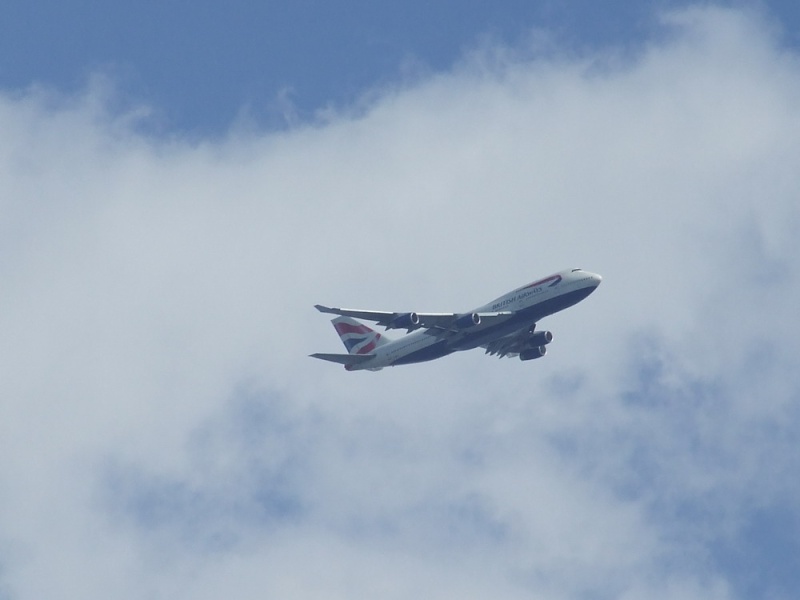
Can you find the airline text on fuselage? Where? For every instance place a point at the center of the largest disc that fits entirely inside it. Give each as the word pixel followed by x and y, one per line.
pixel 517 297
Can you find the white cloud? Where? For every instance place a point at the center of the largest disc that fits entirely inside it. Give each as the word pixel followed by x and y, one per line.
pixel 164 434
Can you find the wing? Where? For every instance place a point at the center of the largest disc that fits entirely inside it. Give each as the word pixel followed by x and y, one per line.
pixel 413 320
pixel 519 342
pixel 507 346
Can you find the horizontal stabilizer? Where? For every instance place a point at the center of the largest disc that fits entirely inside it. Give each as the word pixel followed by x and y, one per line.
pixel 344 359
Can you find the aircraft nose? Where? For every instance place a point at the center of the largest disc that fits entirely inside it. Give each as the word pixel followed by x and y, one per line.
pixel 597 279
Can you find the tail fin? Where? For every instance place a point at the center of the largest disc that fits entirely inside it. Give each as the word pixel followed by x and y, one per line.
pixel 357 337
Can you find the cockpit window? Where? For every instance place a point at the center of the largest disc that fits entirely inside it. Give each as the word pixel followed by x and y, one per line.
pixel 573 270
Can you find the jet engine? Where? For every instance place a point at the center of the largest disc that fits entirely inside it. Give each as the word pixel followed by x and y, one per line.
pixel 404 321
pixel 468 320
pixel 533 353
pixel 540 338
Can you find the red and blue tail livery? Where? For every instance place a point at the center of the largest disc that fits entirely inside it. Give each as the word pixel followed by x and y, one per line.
pixel 357 337
pixel 504 327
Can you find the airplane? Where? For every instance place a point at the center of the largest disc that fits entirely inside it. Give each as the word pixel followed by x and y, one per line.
pixel 505 326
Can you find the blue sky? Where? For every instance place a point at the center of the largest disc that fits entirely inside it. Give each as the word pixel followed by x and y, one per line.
pixel 162 431
pixel 200 63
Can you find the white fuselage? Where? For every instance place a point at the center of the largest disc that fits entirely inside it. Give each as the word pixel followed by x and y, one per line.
pixel 521 309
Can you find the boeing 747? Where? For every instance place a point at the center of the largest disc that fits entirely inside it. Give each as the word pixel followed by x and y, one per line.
pixel 505 326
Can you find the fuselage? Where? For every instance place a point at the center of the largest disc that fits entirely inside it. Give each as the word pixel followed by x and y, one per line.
pixel 522 309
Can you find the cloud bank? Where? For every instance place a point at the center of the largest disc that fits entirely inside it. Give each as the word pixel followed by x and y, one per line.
pixel 164 434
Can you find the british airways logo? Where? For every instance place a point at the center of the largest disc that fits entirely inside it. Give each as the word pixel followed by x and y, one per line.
pixel 551 281
pixel 354 336
pixel 537 287
pixel 347 328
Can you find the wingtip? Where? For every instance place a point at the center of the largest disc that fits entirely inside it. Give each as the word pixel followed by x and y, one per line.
pixel 322 308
